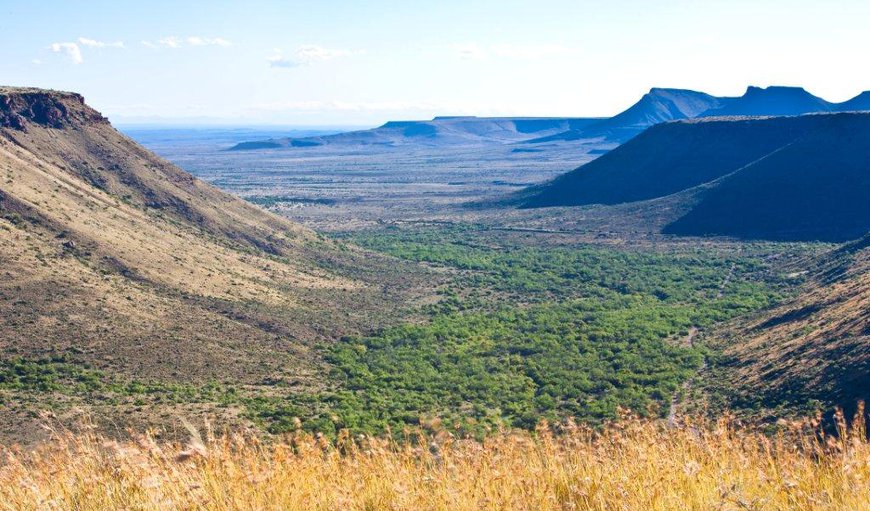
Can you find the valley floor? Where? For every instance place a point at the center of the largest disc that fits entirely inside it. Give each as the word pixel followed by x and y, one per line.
pixel 523 326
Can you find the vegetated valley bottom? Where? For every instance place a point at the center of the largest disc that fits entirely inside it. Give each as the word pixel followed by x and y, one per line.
pixel 526 327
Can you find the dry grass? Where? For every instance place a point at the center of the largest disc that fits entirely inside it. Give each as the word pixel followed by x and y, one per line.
pixel 634 465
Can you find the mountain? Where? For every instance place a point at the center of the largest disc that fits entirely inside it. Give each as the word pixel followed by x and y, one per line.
pixel 858 103
pixel 772 101
pixel 440 131
pixel 656 106
pixel 664 105
pixel 129 264
pixel 795 178
pixel 815 346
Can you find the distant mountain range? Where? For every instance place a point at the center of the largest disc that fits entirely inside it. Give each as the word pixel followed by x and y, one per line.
pixel 453 131
pixel 657 106
pixel 793 178
pixel 663 105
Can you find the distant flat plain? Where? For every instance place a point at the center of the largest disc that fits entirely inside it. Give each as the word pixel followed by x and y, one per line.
pixel 344 188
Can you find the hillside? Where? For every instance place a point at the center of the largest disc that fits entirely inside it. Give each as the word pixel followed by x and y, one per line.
pixel 858 103
pixel 815 346
pixel 446 131
pixel 122 262
pixel 799 178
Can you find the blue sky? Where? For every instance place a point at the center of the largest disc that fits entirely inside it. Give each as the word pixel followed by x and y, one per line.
pixel 345 63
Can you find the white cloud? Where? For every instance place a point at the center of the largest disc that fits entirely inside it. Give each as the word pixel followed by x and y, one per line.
pixel 473 51
pixel 71 50
pixel 207 41
pixel 99 44
pixel 308 54
pixel 36 62
pixel 170 42
pixel 174 42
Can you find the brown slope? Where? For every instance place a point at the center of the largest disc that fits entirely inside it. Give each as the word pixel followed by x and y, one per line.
pixel 133 265
pixel 815 347
pixel 66 133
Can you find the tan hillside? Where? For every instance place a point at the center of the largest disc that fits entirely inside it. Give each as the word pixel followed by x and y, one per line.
pixel 815 346
pixel 135 265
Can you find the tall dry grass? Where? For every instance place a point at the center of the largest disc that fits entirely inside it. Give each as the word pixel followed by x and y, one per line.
pixel 633 465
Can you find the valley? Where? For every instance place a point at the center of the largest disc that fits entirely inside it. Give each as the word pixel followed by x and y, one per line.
pixel 372 288
pixel 434 256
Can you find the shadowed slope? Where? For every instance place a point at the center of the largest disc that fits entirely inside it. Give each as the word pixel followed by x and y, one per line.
pixel 801 178
pixel 815 188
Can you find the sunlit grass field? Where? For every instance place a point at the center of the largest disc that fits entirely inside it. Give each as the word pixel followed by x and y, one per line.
pixel 632 464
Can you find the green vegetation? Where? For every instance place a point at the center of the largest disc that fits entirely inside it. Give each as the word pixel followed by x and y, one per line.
pixel 47 374
pixel 525 329
pixel 531 331
pixel 64 375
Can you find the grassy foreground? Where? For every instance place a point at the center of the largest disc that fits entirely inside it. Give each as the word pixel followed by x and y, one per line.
pixel 633 465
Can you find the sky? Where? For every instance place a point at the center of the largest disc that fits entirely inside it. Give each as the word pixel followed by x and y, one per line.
pixel 342 63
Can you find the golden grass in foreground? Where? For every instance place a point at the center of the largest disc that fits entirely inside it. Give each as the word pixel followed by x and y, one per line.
pixel 634 465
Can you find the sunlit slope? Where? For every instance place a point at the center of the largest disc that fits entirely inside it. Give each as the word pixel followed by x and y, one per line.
pixel 122 257
pixel 813 347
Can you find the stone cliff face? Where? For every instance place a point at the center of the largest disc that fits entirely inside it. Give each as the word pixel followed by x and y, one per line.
pixel 21 107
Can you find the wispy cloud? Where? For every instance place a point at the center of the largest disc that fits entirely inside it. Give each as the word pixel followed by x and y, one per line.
pixel 92 43
pixel 308 54
pixel 207 41
pixel 71 50
pixel 473 51
pixel 174 42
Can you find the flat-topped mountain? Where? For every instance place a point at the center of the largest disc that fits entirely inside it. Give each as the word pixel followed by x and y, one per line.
pixel 445 130
pixel 656 106
pixel 773 101
pixel 663 105
pixel 801 178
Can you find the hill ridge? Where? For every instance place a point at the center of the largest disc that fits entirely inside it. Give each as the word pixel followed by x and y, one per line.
pixel 784 170
pixel 142 269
